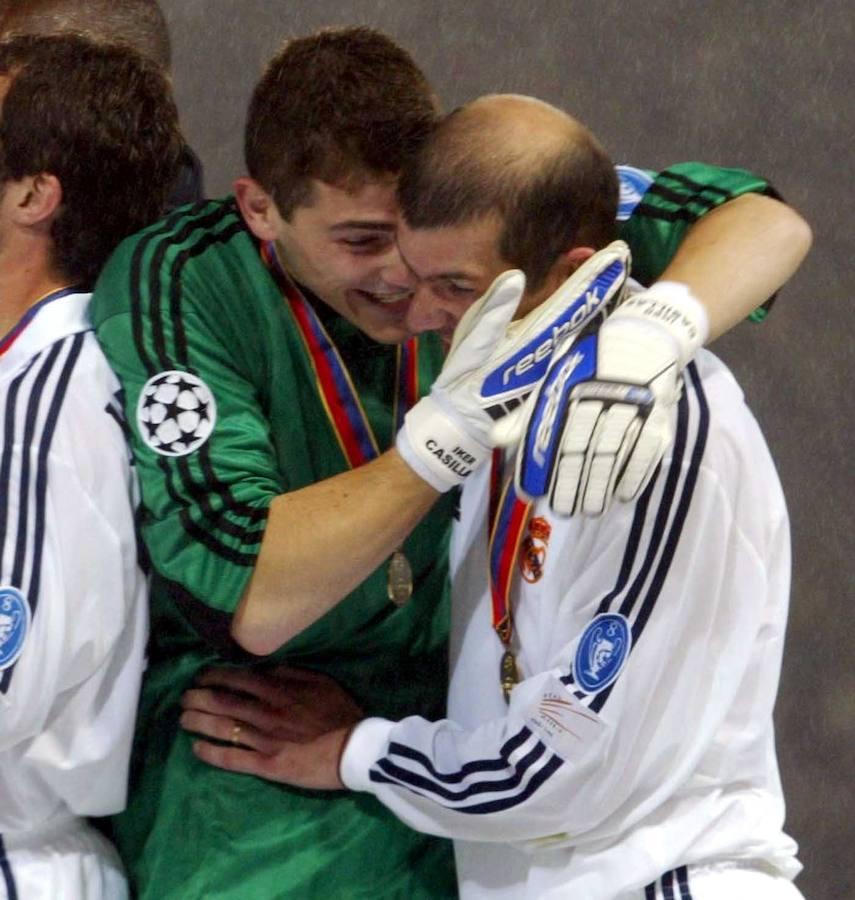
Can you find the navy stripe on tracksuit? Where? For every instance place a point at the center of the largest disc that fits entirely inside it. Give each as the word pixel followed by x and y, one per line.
pixel 32 407
pixel 524 763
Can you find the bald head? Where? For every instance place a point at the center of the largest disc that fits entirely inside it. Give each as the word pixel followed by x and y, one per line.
pixel 137 23
pixel 541 171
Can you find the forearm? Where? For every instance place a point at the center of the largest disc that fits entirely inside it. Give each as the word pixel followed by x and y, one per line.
pixel 735 257
pixel 321 542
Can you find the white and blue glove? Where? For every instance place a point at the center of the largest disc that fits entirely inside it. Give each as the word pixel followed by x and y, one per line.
pixel 603 417
pixel 493 365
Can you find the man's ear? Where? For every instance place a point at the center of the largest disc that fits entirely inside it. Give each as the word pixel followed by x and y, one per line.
pixel 573 258
pixel 564 267
pixel 35 199
pixel 257 208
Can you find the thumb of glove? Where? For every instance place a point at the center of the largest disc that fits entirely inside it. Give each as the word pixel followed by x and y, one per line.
pixel 483 325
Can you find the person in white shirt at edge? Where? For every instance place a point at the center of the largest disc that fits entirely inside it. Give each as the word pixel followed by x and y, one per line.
pixel 635 756
pixel 89 146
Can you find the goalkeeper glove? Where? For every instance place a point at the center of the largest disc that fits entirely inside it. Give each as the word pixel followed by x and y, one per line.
pixel 492 367
pixel 603 417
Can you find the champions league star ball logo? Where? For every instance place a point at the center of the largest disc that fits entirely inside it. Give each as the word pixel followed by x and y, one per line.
pixel 175 413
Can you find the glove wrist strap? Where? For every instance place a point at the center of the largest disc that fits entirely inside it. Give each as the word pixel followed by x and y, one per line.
pixel 436 448
pixel 671 306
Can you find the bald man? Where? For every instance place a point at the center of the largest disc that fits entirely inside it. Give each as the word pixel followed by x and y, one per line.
pixel 610 733
pixel 138 23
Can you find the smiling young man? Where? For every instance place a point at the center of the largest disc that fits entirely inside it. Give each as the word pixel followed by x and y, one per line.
pixel 263 345
pixel 633 759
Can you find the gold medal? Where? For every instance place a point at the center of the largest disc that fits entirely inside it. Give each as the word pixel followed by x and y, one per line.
pixel 399 579
pixel 508 674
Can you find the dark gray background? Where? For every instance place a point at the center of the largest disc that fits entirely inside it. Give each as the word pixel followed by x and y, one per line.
pixel 763 85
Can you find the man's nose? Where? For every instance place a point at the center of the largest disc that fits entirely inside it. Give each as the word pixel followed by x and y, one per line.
pixel 425 312
pixel 396 273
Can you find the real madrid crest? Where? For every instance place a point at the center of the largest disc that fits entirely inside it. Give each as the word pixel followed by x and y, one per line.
pixel 14 625
pixel 532 553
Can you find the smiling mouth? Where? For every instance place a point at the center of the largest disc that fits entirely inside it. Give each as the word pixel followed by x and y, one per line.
pixel 386 299
pixel 397 297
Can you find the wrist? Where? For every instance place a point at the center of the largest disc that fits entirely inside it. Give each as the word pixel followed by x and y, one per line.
pixel 366 743
pixel 672 307
pixel 344 742
pixel 436 448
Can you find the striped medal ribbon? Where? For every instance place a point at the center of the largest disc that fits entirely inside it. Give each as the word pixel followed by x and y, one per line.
pixel 506 522
pixel 341 401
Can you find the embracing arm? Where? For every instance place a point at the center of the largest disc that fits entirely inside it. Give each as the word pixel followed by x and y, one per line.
pixel 321 542
pixel 738 255
pixel 563 763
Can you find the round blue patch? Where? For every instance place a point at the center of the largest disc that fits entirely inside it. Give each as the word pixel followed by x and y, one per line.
pixel 14 625
pixel 633 186
pixel 602 651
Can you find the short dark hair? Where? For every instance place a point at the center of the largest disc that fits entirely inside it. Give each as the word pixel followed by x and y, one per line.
pixel 139 23
pixel 102 120
pixel 340 106
pixel 549 199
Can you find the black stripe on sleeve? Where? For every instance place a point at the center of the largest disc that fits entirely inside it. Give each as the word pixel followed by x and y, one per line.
pixel 502 761
pixel 500 804
pixel 33 405
pixel 6 872
pixel 6 457
pixel 682 507
pixel 163 240
pixel 148 312
pixel 212 625
pixel 682 874
pixel 695 186
pixel 76 345
pixel 135 285
pixel 673 539
pixel 207 240
pixel 436 786
pixel 26 574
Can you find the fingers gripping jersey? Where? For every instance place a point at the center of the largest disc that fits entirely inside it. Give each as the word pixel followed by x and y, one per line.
pixel 640 738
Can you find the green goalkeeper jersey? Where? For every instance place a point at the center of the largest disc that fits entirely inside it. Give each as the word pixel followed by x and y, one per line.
pixel 225 414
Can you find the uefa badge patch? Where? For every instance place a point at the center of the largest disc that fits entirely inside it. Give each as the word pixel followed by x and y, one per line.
pixel 176 413
pixel 633 186
pixel 602 652
pixel 14 625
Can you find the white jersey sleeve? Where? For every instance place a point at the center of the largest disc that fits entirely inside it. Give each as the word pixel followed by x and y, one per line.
pixel 74 597
pixel 646 661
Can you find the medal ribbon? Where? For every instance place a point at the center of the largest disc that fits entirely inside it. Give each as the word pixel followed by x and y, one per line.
pixel 335 386
pixel 507 521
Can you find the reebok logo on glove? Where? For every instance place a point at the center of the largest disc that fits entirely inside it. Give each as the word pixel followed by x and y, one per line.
pixel 576 316
pixel 554 394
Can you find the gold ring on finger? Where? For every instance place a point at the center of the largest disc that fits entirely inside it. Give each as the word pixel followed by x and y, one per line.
pixel 235 738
